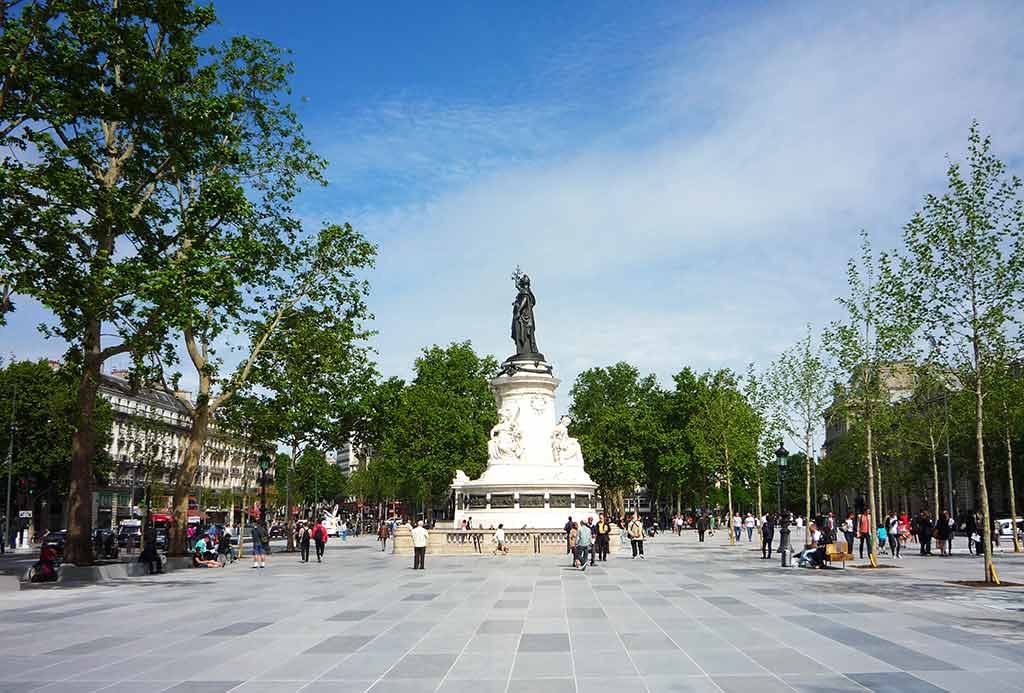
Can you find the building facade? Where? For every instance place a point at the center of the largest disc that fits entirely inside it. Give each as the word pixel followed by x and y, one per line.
pixel 149 434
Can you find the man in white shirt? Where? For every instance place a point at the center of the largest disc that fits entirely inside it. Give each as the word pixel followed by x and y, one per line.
pixel 499 541
pixel 420 537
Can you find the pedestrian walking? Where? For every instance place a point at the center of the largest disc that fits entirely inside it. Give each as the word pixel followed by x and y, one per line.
pixel 499 541
pixel 319 539
pixel 150 556
pixel 304 537
pixel 971 530
pixel 749 523
pixel 584 540
pixel 602 539
pixel 382 535
pixel 942 532
pixel 737 525
pixel 574 531
pixel 343 528
pixel 703 523
pixel 864 531
pixel 635 532
pixel 767 536
pixel 420 537
pixel 892 533
pixel 569 546
pixel 592 553
pixel 925 527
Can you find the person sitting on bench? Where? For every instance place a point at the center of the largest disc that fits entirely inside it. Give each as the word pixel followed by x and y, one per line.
pixel 813 555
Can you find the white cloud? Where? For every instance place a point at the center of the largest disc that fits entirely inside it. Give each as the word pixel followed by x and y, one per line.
pixel 709 219
pixel 713 242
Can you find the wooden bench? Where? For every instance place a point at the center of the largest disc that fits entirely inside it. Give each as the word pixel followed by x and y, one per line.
pixel 837 552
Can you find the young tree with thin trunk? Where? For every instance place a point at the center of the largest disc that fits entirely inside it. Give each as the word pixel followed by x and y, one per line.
pixel 873 337
pixel 724 430
pixel 800 391
pixel 767 426
pixel 314 373
pixel 963 270
pixel 1005 402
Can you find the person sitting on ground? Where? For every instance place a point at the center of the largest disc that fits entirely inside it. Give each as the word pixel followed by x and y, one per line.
pixel 203 550
pixel 199 559
pixel 813 555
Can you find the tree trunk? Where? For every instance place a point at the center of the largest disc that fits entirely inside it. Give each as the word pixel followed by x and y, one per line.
pixel 935 472
pixel 872 535
pixel 760 512
pixel 809 460
pixel 78 548
pixel 186 476
pixel 728 491
pixel 289 518
pixel 979 440
pixel 1013 496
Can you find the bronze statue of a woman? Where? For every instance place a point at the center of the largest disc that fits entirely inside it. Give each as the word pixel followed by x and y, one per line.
pixel 523 324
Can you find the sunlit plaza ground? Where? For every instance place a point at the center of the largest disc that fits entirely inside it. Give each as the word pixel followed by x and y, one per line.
pixel 690 618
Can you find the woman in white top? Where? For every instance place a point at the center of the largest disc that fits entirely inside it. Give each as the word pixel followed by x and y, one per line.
pixel 750 523
pixel 737 525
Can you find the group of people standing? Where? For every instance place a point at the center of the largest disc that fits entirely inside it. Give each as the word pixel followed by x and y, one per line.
pixel 589 540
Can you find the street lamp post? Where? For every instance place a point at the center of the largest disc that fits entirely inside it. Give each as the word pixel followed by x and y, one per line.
pixel 781 458
pixel 10 462
pixel 264 461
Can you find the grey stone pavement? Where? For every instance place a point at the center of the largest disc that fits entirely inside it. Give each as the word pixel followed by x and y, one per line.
pixel 690 618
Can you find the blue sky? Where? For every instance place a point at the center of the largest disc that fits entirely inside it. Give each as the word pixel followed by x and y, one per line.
pixel 683 182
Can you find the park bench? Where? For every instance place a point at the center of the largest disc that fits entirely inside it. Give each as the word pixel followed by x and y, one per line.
pixel 837 552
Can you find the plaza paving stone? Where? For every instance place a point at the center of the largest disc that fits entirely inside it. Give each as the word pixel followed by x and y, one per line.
pixel 693 617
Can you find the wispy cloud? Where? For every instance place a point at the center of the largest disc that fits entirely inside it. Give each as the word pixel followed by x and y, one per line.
pixel 713 224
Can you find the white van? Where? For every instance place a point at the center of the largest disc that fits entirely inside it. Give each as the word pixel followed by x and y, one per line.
pixel 1006 523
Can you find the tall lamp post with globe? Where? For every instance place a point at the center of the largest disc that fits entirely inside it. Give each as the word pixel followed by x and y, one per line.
pixel 264 462
pixel 781 457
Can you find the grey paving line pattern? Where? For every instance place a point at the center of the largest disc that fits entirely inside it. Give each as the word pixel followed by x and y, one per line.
pixel 690 618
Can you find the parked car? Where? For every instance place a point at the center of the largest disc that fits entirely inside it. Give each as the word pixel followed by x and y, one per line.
pixel 278 532
pixel 1006 523
pixel 56 539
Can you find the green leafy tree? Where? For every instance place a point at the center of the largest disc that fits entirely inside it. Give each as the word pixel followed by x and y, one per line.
pixel 963 271
pixel 800 391
pixel 767 425
pixel 617 424
pixel 43 402
pixel 108 106
pixel 724 432
pixel 1005 406
pixel 874 335
pixel 314 372
pixel 441 423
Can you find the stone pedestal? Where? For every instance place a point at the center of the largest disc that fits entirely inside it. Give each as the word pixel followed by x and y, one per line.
pixel 535 477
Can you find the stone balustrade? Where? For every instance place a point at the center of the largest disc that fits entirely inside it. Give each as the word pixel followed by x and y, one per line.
pixel 453 542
